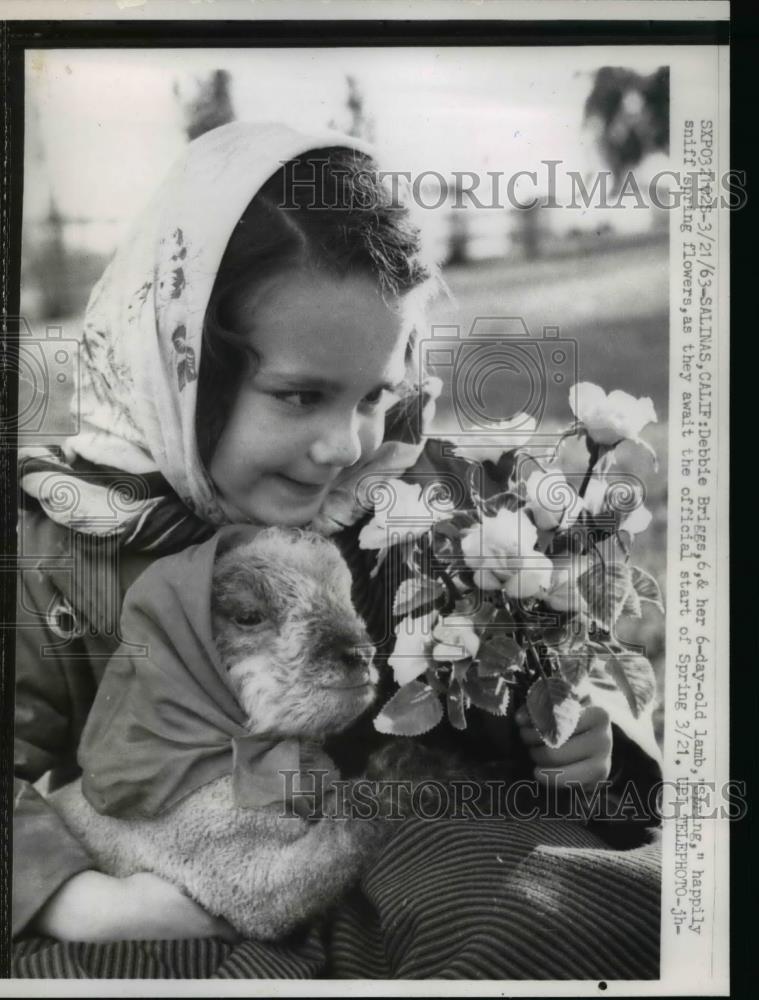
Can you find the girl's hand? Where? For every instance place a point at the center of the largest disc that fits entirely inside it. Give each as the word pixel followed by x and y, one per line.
pixel 586 756
pixel 92 906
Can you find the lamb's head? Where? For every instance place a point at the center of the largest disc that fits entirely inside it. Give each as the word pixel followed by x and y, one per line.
pixel 297 655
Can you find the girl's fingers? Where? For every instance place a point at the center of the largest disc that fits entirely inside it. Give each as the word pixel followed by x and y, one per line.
pixel 522 717
pixel 592 717
pixel 530 736
pixel 587 772
pixel 581 746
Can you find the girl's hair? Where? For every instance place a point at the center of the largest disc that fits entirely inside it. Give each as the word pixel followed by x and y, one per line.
pixel 328 210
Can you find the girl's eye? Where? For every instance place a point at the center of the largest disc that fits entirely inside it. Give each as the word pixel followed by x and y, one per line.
pixel 249 619
pixel 372 399
pixel 298 399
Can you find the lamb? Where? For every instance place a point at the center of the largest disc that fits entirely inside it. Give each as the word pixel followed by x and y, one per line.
pixel 299 662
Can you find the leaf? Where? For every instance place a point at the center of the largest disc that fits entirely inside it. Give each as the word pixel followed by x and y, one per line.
pixel 412 711
pixel 497 654
pixel 416 593
pixel 553 709
pixel 507 500
pixel 605 586
pixel 456 705
pixel 498 474
pixel 446 529
pixel 489 693
pixel 632 604
pixel 472 605
pixel 635 678
pixel 647 588
pixel 574 666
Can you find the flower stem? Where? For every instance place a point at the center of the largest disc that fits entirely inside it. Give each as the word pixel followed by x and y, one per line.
pixel 594 453
pixel 536 658
pixel 450 588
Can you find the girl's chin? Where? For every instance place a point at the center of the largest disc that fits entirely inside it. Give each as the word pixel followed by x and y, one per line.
pixel 277 501
pixel 284 511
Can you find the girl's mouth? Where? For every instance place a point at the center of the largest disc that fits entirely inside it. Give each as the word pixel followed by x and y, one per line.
pixel 303 489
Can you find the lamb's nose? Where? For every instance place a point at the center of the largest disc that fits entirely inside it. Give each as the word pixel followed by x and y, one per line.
pixel 360 657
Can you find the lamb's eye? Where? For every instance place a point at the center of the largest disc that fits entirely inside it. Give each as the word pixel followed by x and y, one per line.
pixel 248 619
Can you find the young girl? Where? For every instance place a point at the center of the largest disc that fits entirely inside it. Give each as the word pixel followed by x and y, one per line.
pixel 248 356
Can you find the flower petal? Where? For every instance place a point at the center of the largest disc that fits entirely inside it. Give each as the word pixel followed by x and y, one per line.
pixel 533 574
pixel 587 397
pixel 410 656
pixel 637 521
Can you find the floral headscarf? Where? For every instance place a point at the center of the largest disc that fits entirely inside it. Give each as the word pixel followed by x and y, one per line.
pixel 134 469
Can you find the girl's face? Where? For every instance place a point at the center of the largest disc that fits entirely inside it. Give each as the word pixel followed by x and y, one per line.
pixel 327 354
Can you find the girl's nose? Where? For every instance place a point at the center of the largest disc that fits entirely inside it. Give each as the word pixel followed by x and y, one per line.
pixel 338 445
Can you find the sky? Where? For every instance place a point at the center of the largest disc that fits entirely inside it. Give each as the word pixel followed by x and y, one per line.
pixel 104 126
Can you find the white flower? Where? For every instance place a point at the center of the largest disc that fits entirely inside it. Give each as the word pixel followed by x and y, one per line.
pixel 410 656
pixel 408 514
pixel 549 497
pixel 637 521
pixel 600 496
pixel 562 593
pixel 530 574
pixel 611 418
pixel 595 495
pixel 456 638
pixel 497 539
pixel 501 553
pixel 505 435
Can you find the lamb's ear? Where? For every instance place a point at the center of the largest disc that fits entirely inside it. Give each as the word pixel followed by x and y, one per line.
pixel 238 584
pixel 234 570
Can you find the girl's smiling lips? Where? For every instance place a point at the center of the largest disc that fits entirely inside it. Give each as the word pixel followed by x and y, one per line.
pixel 307 489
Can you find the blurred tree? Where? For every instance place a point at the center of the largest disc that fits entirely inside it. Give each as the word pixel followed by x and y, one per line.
pixel 205 102
pixel 458 235
pixel 631 114
pixel 529 232
pixel 43 255
pixel 360 124
pixel 51 262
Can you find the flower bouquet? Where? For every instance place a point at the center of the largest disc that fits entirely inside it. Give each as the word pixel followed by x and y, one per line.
pixel 515 600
